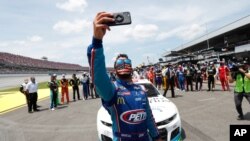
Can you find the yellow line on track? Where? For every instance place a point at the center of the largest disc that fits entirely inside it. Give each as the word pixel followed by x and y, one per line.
pixel 13 100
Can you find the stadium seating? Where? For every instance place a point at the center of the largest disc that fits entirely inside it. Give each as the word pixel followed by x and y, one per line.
pixel 10 63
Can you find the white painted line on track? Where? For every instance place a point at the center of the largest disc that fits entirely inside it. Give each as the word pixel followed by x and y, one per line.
pixel 206 99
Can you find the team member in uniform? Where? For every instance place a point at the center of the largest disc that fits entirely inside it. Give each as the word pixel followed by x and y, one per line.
pixel 85 85
pixel 151 75
pixel 198 78
pixel 181 78
pixel 125 101
pixel 242 87
pixel 54 92
pixel 158 78
pixel 31 90
pixel 223 72
pixel 189 73
pixel 74 82
pixel 170 75
pixel 64 88
pixel 211 71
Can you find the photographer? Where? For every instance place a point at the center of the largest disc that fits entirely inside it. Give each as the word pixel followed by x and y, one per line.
pixel 242 87
pixel 122 88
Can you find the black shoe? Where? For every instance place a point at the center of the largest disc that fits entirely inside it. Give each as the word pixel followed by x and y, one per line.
pixel 37 110
pixel 30 112
pixel 240 117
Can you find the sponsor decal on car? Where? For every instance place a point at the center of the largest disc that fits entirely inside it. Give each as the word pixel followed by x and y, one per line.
pixel 156 99
pixel 160 109
pixel 134 116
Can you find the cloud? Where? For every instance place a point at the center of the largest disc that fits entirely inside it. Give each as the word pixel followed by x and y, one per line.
pixel 141 32
pixel 26 42
pixel 186 32
pixel 35 38
pixel 115 55
pixel 4 44
pixel 19 42
pixel 193 31
pixel 71 27
pixel 173 14
pixel 73 5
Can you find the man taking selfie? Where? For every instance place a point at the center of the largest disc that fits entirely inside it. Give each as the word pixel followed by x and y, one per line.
pixel 132 118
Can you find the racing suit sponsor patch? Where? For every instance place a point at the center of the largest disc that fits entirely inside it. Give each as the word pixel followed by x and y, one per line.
pixel 134 116
pixel 120 100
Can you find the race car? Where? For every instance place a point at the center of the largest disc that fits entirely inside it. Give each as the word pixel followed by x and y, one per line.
pixel 165 112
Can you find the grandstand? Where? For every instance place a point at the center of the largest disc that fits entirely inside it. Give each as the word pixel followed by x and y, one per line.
pixel 232 40
pixel 12 64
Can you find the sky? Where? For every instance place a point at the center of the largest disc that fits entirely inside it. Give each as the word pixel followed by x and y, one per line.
pixel 62 29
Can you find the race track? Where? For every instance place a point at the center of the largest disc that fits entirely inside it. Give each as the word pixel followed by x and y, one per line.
pixel 206 116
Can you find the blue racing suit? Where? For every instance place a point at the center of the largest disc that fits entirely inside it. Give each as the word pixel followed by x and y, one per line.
pixel 126 102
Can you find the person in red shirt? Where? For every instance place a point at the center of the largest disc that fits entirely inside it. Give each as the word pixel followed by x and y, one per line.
pixel 223 72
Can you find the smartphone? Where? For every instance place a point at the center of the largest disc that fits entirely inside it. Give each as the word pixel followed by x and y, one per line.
pixel 121 18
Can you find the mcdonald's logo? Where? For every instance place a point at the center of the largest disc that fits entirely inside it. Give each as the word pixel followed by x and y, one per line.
pixel 120 100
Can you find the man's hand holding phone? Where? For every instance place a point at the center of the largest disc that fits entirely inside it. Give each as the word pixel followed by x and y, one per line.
pixel 99 24
pixel 103 20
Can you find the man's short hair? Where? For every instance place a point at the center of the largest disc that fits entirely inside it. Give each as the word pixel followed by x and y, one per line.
pixel 119 56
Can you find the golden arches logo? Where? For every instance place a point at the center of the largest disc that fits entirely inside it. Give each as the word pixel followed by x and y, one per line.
pixel 120 100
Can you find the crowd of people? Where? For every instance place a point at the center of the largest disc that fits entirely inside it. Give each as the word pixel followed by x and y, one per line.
pixel 186 76
pixel 12 61
pixel 30 90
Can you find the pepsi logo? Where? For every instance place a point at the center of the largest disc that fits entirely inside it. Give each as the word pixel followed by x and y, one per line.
pixel 134 116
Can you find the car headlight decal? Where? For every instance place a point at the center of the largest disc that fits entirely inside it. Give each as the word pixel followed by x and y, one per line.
pixel 106 123
pixel 166 121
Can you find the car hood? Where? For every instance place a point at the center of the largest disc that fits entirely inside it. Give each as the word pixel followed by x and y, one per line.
pixel 161 107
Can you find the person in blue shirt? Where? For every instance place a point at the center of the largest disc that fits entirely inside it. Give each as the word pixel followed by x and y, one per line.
pixel 125 101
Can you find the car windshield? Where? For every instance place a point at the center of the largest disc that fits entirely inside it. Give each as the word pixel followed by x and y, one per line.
pixel 149 89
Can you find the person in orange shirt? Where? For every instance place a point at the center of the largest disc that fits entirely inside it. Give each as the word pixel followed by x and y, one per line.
pixel 65 91
pixel 223 72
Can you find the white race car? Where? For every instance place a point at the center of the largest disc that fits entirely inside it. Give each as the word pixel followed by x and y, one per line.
pixel 165 112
